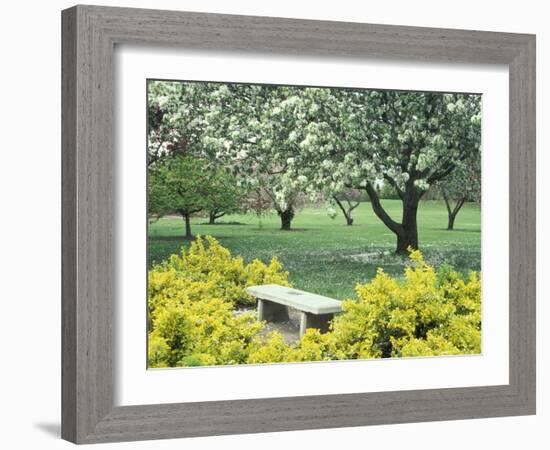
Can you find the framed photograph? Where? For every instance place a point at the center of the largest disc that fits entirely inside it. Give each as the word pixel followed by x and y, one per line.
pixel 277 224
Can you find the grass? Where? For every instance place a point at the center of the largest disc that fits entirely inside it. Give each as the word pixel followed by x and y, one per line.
pixel 326 256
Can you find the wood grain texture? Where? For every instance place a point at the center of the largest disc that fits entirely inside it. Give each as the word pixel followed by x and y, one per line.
pixel 68 225
pixel 89 36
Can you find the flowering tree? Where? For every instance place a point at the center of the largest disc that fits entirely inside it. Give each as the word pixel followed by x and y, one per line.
pixel 181 179
pixel 290 141
pixel 408 139
pixel 256 130
pixel 175 118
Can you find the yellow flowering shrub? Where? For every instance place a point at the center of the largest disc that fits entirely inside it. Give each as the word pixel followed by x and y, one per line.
pixel 313 346
pixel 193 319
pixel 191 303
pixel 428 313
pixel 269 349
pixel 191 333
pixel 207 269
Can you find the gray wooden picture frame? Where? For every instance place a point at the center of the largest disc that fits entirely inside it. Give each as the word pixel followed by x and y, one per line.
pixel 89 35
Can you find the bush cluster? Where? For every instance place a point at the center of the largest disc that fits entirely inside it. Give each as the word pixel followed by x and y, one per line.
pixel 193 296
pixel 191 299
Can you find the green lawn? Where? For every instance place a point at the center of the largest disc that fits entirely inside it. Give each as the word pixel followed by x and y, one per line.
pixel 326 256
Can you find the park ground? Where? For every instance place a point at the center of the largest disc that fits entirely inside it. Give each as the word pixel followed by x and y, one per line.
pixel 324 255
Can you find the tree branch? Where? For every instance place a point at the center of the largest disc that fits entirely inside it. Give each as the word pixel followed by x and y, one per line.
pixel 380 211
pixel 339 203
pixel 440 175
pixel 394 184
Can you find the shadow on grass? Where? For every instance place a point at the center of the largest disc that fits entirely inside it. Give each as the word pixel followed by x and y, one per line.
pixel 168 239
pixel 462 230
pixel 279 231
pixel 223 223
pixel 179 239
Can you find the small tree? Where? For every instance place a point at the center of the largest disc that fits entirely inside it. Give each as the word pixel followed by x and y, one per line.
pixel 347 201
pixel 461 186
pixel 258 202
pixel 183 185
pixel 226 195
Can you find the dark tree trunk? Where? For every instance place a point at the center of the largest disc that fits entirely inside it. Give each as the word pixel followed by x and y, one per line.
pixel 451 222
pixel 286 218
pixel 407 237
pixel 406 231
pixel 213 216
pixel 187 219
pixel 348 212
pixel 452 212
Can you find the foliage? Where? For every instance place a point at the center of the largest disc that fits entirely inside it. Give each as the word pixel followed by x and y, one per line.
pixel 191 301
pixel 188 185
pixel 286 140
pixel 429 313
pixel 464 182
pixel 209 269
pixel 175 121
pixel 225 196
pixel 178 185
pixel 200 333
pixel 193 321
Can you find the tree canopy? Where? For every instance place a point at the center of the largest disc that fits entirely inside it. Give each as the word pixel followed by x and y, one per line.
pixel 187 185
pixel 293 141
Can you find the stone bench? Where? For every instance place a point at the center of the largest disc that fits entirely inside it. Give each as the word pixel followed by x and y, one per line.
pixel 273 301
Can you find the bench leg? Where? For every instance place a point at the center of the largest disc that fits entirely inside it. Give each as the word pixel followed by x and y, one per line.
pixel 271 311
pixel 319 321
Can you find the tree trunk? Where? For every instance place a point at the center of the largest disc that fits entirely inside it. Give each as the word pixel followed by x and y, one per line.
pixel 348 212
pixel 286 218
pixel 407 237
pixel 452 212
pixel 406 231
pixel 213 216
pixel 451 222
pixel 187 218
